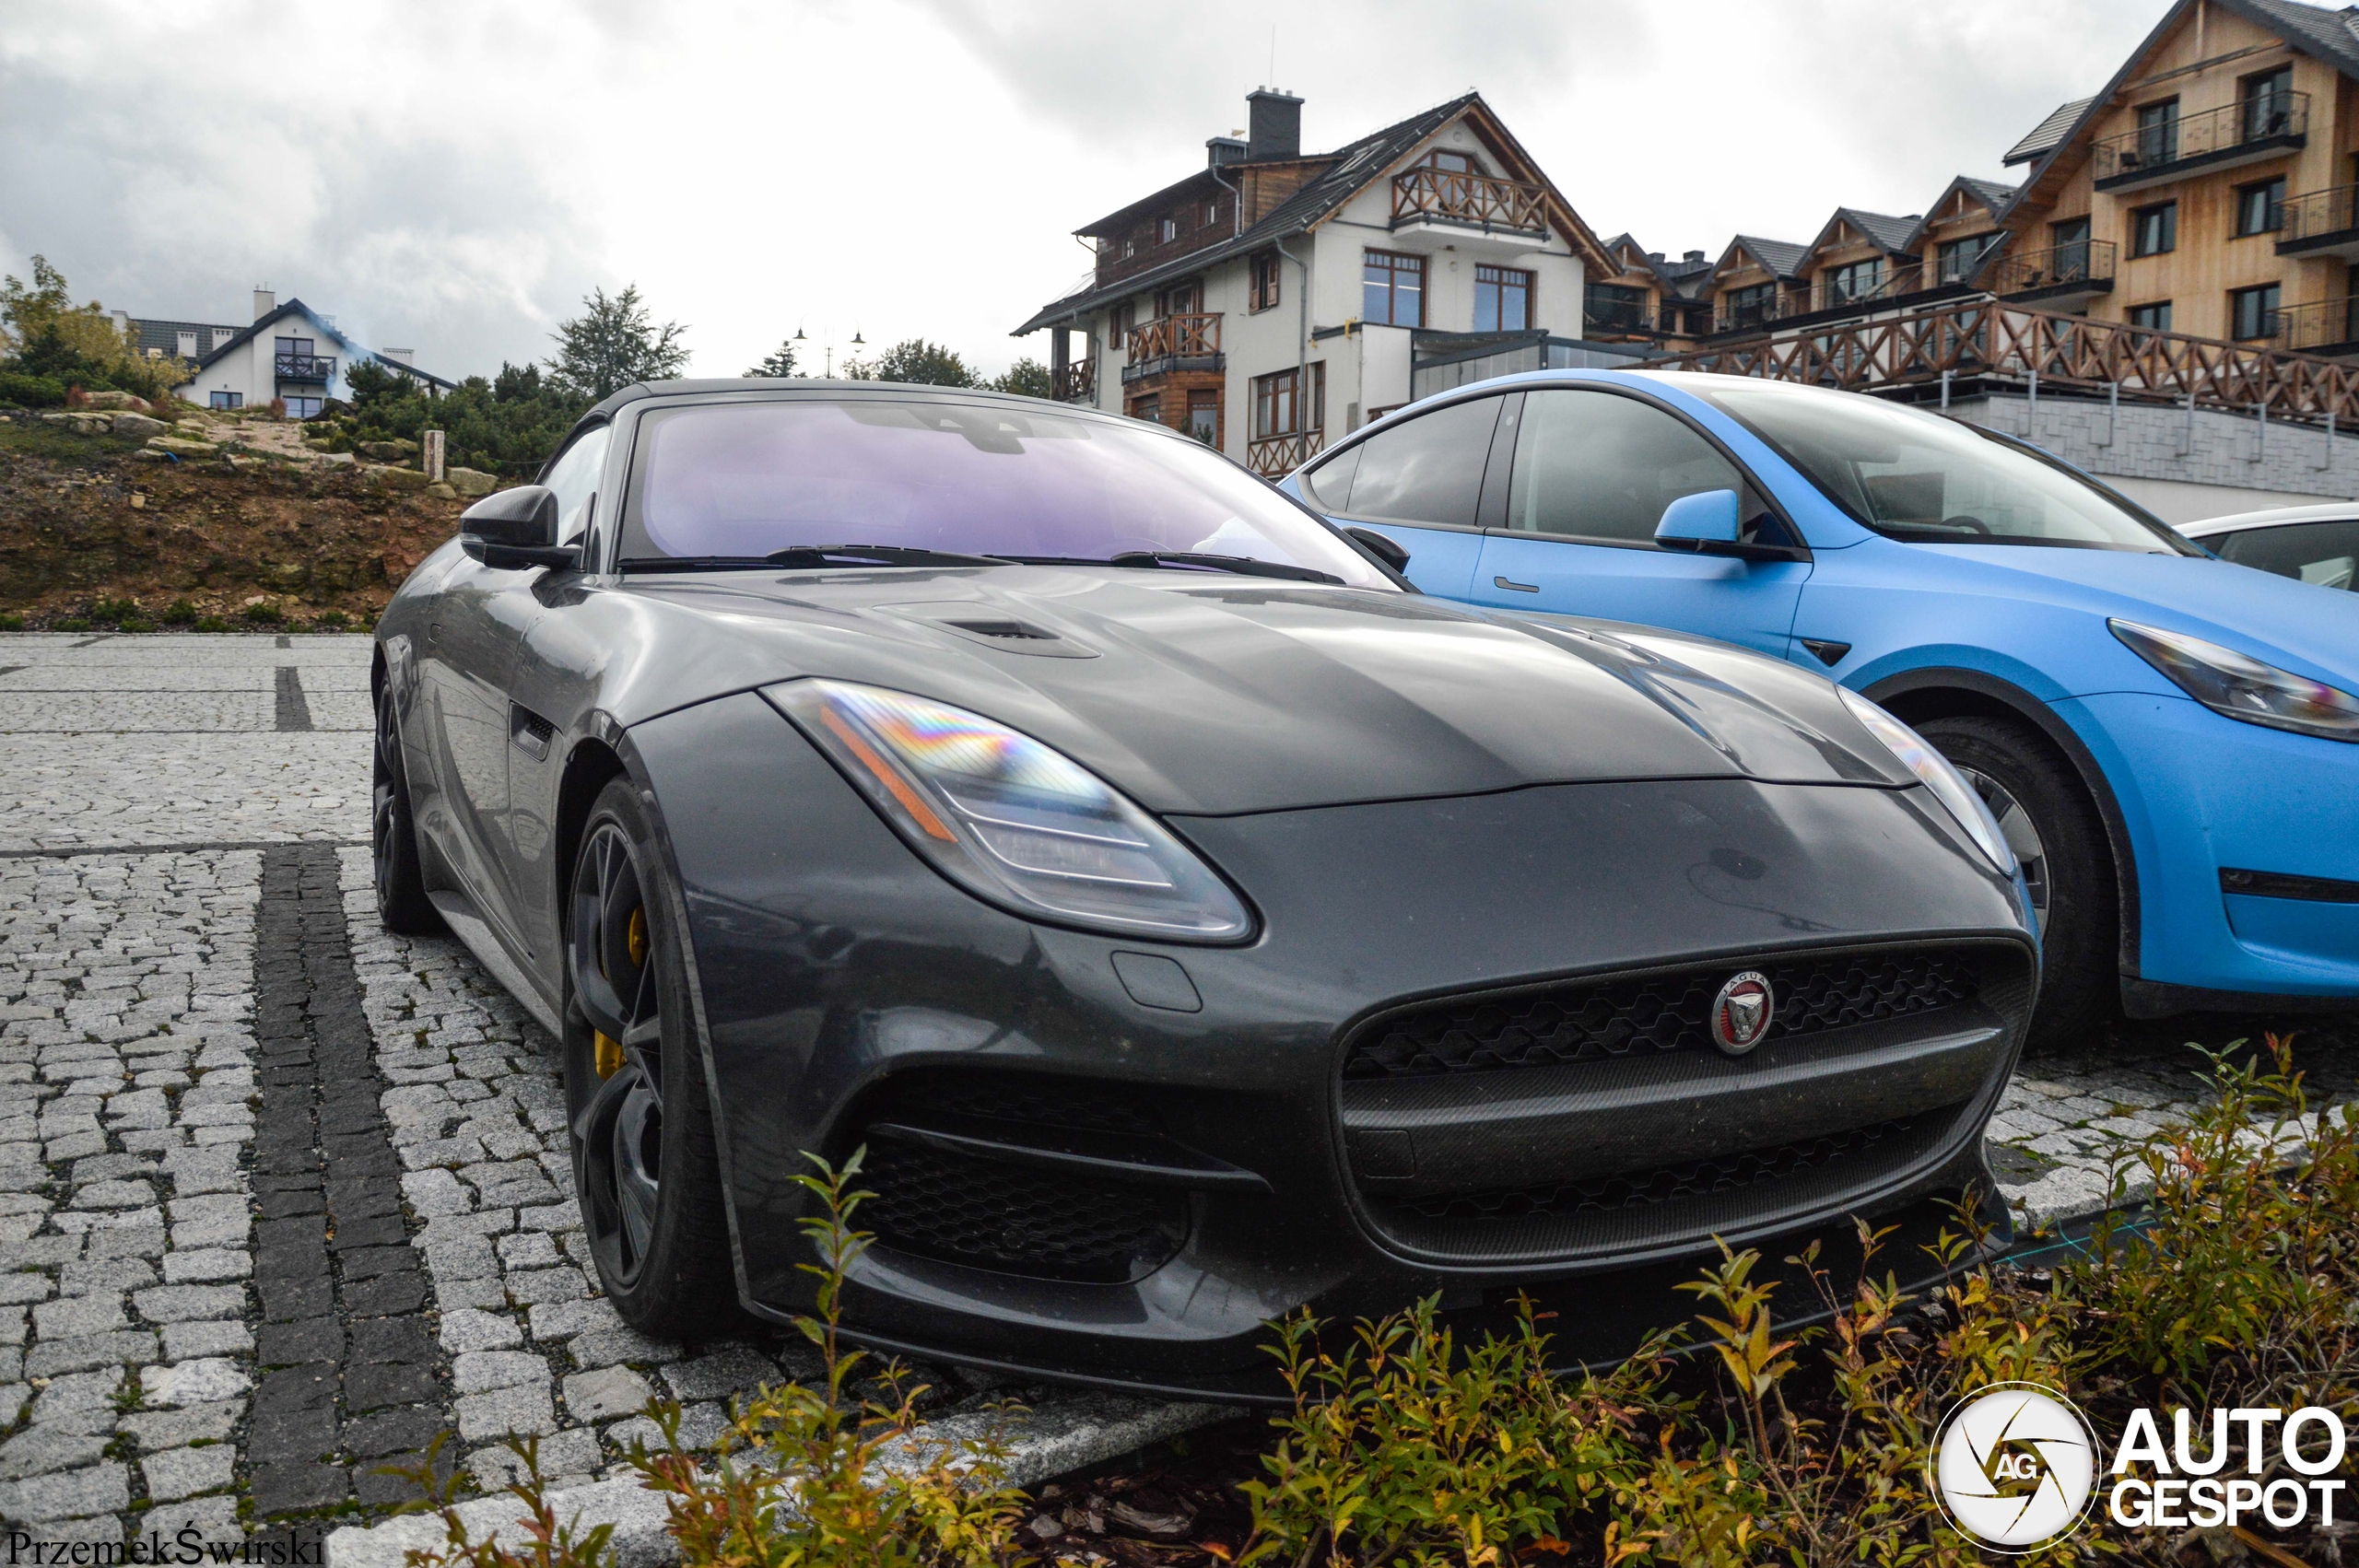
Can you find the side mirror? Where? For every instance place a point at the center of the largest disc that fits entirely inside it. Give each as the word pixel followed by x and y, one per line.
pixel 1700 522
pixel 1383 549
pixel 516 528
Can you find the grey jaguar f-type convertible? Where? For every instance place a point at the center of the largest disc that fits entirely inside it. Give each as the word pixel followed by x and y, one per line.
pixel 1192 921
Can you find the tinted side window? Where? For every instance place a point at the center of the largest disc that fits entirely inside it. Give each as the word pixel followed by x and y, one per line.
pixel 2323 552
pixel 575 480
pixel 1329 485
pixel 1429 470
pixel 1595 465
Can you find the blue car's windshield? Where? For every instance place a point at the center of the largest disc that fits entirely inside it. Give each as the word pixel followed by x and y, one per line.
pixel 1917 477
pixel 734 482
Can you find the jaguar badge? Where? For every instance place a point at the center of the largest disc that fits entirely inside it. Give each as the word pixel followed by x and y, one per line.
pixel 1740 1013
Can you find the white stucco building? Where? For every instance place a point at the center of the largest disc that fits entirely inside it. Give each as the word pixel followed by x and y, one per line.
pixel 289 352
pixel 1274 301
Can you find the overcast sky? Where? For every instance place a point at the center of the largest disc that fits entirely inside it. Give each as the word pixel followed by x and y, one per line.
pixel 453 177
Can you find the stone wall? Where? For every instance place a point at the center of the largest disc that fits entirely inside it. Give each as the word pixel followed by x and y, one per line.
pixel 2186 467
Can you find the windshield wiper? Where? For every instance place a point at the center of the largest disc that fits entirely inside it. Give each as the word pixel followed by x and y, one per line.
pixel 1244 566
pixel 807 556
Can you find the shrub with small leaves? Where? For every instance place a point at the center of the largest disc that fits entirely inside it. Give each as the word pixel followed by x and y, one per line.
pixel 330 621
pixel 11 622
pixel 70 624
pixel 264 614
pixel 179 613
pixel 209 624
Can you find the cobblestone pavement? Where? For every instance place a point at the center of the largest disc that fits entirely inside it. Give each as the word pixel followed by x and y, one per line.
pixel 283 1195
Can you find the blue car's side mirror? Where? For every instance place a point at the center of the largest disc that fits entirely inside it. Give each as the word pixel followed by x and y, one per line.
pixel 1699 521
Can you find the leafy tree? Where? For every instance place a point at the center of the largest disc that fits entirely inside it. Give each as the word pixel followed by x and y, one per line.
pixel 612 343
pixel 507 426
pixel 918 362
pixel 1026 377
pixel 779 362
pixel 48 336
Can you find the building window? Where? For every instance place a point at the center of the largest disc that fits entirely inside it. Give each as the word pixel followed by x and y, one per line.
pixel 1456 162
pixel 1129 247
pixel 303 408
pixel 1264 292
pixel 1118 325
pixel 1503 300
pixel 1170 230
pixel 2158 132
pixel 1149 407
pixel 1612 307
pixel 2154 231
pixel 297 345
pixel 1956 257
pixel 2269 103
pixel 1750 306
pixel 1860 280
pixel 2155 317
pixel 1278 406
pixel 2252 312
pixel 1204 416
pixel 1392 289
pixel 1212 213
pixel 224 400
pixel 2260 209
pixel 1181 299
pixel 2070 239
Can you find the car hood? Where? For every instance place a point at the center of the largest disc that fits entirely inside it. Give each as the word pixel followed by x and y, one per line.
pixel 1215 694
pixel 2298 625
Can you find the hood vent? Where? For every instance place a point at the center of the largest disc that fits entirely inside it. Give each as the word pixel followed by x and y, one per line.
pixel 983 621
pixel 1013 631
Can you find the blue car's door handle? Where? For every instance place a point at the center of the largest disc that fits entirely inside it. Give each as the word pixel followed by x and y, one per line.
pixel 1518 587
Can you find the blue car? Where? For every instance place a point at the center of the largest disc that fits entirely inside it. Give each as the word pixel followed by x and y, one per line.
pixel 2170 742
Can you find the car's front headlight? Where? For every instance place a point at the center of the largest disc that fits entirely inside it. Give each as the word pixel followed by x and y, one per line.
pixel 2230 682
pixel 1012 821
pixel 1933 770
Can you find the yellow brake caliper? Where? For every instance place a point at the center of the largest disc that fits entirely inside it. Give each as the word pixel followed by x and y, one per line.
pixel 609 1058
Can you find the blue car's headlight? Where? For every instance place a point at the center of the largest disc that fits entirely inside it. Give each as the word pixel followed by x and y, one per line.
pixel 1010 820
pixel 2229 683
pixel 1934 771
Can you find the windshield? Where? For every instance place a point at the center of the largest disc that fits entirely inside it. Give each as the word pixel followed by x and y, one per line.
pixel 1917 477
pixel 738 481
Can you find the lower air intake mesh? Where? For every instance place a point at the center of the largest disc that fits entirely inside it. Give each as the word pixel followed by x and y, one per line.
pixel 1017 1219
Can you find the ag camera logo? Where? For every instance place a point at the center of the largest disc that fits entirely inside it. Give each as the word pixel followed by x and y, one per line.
pixel 2015 1466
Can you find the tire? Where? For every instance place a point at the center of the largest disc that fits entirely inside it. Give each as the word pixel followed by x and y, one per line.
pixel 645 1158
pixel 2054 828
pixel 402 904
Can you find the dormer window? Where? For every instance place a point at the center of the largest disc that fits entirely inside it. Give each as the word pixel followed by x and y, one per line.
pixel 1454 162
pixel 1170 230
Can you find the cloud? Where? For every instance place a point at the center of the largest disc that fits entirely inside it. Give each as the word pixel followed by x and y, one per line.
pixel 453 177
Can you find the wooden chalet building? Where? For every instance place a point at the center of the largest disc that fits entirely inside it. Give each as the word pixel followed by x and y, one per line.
pixel 1274 300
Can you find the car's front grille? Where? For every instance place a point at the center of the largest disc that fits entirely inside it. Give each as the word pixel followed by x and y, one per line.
pixel 1015 1218
pixel 1669 1184
pixel 1586 1021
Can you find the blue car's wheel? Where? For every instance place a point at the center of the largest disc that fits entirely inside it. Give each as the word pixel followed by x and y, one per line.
pixel 2054 829
pixel 644 1162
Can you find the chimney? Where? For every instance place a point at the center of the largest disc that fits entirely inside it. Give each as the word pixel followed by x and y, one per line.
pixel 1694 258
pixel 1275 125
pixel 1223 150
pixel 265 303
pixel 399 356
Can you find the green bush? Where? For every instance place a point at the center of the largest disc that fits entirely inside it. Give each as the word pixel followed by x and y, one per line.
pixel 506 426
pixel 330 621
pixel 11 622
pixel 69 624
pixel 264 614
pixel 30 391
pixel 179 613
pixel 111 612
pixel 209 624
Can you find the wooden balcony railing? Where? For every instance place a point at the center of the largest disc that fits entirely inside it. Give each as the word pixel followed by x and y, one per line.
pixel 1176 337
pixel 1078 383
pixel 2082 262
pixel 2316 325
pixel 2266 118
pixel 304 366
pixel 1451 195
pixel 1983 339
pixel 1274 457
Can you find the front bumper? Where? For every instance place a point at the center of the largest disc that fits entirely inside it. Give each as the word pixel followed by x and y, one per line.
pixel 2202 795
pixel 1073 1181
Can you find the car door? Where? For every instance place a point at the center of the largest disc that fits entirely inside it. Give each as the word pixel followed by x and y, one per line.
pixel 1591 472
pixel 1420 484
pixel 479 624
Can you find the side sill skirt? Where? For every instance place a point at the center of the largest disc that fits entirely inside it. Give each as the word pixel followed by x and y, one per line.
pixel 461 917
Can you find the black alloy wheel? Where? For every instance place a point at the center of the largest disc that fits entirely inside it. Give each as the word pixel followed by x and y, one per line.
pixel 2052 824
pixel 402 904
pixel 643 1156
